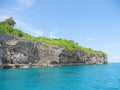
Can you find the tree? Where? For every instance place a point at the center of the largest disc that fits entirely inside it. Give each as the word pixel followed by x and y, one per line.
pixel 10 21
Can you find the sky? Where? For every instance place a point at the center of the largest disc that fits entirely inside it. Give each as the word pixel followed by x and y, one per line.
pixel 91 23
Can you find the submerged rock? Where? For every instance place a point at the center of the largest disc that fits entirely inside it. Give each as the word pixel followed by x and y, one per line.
pixel 19 53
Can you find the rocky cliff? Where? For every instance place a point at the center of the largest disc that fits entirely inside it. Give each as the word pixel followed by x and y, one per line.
pixel 18 52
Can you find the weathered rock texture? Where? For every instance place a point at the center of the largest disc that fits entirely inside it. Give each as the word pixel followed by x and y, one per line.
pixel 22 53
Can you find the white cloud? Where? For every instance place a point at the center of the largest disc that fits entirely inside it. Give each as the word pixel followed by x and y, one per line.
pixel 27 3
pixel 2 18
pixel 28 29
pixel 9 11
pixel 19 7
pixel 5 11
pixel 115 58
pixel 53 34
pixel 90 38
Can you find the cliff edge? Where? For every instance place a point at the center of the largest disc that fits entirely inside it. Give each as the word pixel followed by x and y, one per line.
pixel 17 52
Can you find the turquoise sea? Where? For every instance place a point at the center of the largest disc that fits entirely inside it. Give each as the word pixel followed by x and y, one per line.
pixel 83 77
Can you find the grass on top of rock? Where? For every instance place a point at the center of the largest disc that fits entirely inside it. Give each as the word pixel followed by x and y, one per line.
pixel 7 27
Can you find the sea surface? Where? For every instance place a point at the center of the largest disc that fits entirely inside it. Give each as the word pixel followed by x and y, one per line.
pixel 83 77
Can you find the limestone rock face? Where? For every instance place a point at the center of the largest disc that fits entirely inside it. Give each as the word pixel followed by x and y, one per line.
pixel 17 53
pixel 79 56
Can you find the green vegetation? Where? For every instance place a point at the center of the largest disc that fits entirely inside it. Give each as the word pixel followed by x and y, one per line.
pixel 9 21
pixel 7 27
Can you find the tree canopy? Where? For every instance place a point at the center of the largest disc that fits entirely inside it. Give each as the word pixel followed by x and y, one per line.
pixel 9 21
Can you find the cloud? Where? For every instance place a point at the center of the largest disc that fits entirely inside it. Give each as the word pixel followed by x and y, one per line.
pixel 20 6
pixel 28 29
pixel 115 58
pixel 90 38
pixel 53 34
pixel 2 18
pixel 27 3
pixel 9 10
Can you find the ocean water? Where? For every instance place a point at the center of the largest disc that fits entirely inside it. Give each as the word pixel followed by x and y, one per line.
pixel 83 77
